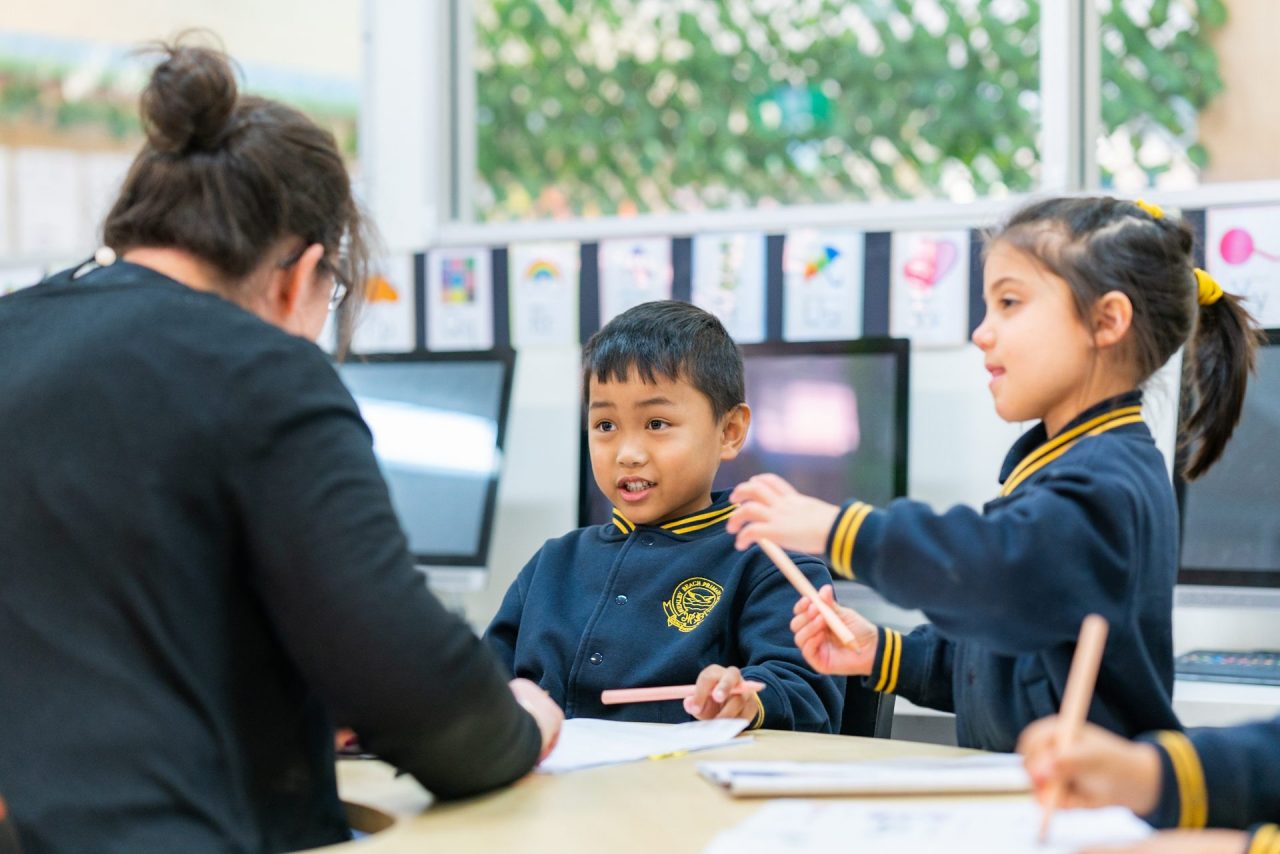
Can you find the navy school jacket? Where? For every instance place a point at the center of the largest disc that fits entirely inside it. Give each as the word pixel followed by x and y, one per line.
pixel 1085 523
pixel 1221 777
pixel 627 606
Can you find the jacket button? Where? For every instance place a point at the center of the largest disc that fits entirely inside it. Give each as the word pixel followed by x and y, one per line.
pixel 596 658
pixel 646 540
pixel 621 600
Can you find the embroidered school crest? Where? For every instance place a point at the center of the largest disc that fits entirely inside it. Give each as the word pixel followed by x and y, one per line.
pixel 690 603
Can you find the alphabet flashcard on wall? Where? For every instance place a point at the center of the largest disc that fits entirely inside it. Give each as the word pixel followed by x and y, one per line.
pixel 544 281
pixel 929 287
pixel 388 322
pixel 633 271
pixel 728 281
pixel 1242 251
pixel 822 285
pixel 459 300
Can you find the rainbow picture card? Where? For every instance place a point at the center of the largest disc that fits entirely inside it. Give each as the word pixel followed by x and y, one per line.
pixel 822 273
pixel 543 291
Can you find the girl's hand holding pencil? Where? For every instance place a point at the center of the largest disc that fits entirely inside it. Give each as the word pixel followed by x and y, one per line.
pixel 772 509
pixel 822 648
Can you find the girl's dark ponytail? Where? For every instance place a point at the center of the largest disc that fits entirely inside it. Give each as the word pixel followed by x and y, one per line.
pixel 1217 364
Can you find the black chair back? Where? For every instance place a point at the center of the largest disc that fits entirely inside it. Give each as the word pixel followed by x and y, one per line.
pixel 866 712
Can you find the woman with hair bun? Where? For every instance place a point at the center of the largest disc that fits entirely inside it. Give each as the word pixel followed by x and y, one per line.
pixel 200 567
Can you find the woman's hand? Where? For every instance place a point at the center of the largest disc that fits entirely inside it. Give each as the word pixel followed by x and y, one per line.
pixel 546 713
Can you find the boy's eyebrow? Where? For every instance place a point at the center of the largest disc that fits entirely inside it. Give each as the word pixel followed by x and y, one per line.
pixel 651 401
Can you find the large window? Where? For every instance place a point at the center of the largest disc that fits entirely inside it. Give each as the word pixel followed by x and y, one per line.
pixel 598 108
pixel 1162 89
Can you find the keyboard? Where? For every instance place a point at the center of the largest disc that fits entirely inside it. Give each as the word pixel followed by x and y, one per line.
pixel 1259 667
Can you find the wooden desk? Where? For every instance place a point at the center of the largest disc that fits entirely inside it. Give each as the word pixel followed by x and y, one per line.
pixel 641 806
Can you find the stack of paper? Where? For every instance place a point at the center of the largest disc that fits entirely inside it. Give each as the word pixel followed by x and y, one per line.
pixel 587 742
pixel 970 775
pixel 909 827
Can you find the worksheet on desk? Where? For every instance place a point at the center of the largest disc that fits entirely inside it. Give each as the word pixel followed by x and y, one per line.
pixel 588 742
pixel 911 826
pixel 983 774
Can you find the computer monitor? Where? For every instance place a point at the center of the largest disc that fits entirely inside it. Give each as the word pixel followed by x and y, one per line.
pixel 1231 516
pixel 438 422
pixel 830 417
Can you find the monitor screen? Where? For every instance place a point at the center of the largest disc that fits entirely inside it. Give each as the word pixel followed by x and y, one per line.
pixel 1231 516
pixel 831 418
pixel 438 421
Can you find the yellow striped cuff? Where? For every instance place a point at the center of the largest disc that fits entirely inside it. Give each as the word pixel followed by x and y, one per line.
pixel 846 528
pixel 890 661
pixel 1193 798
pixel 758 720
pixel 1266 840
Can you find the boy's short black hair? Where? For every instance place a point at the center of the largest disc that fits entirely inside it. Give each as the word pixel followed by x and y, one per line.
pixel 671 339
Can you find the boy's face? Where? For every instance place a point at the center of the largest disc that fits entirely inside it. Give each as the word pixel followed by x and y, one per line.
pixel 655 447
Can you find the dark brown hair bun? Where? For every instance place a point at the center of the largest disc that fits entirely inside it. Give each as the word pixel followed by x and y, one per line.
pixel 189 101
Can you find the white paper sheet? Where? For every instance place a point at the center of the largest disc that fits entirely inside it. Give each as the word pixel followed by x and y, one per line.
pixel 912 826
pixel 976 774
pixel 587 742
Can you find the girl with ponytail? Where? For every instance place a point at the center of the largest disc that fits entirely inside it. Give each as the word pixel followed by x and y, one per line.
pixel 1086 298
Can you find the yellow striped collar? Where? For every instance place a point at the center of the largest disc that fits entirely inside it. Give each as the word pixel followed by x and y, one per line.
pixel 702 520
pixel 1116 412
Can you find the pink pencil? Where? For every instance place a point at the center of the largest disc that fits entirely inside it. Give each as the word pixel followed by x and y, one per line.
pixel 667 692
pixel 1075 698
pixel 807 590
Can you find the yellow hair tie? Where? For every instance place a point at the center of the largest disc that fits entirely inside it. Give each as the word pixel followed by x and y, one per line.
pixel 1209 289
pixel 1155 211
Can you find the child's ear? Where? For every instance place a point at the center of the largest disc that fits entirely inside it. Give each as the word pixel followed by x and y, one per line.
pixel 1112 318
pixel 733 430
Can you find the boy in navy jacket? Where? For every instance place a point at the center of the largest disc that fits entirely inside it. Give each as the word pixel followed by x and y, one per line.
pixel 659 596
pixel 1221 777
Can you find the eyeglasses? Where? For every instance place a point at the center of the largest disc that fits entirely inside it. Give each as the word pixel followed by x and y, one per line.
pixel 341 287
